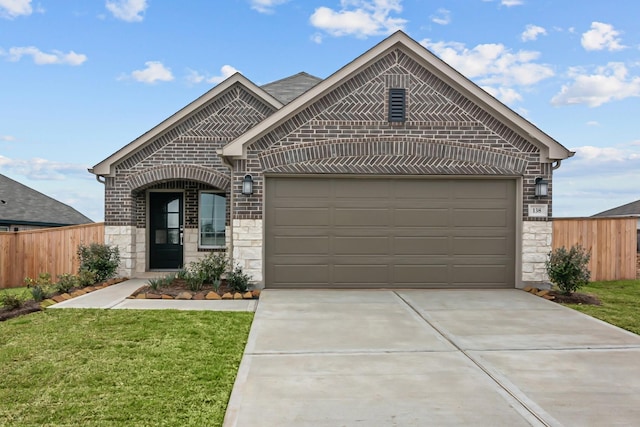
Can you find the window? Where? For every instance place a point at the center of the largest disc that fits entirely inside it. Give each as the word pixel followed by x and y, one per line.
pixel 212 213
pixel 4 228
pixel 397 105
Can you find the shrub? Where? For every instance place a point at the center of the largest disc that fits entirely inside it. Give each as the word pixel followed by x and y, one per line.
pixel 237 280
pixel 155 283
pixel 86 278
pixel 195 280
pixel 40 287
pixel 11 301
pixel 210 268
pixel 568 269
pixel 102 260
pixel 66 282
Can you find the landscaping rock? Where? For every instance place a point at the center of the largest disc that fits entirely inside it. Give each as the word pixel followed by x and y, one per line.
pixel 549 297
pixel 46 303
pixel 527 288
pixel 256 293
pixel 227 295
pixel 247 295
pixel 141 296
pixel 212 296
pixel 199 296
pixel 58 298
pixel 167 297
pixel 66 296
pixel 184 295
pixel 237 295
pixel 542 292
pixel 153 296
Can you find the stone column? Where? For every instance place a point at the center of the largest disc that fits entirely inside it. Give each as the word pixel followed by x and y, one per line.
pixel 536 245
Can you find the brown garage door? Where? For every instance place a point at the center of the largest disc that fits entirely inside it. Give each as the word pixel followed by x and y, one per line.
pixel 392 232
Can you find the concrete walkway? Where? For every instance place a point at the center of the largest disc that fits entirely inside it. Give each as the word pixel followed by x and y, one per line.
pixel 115 297
pixel 432 358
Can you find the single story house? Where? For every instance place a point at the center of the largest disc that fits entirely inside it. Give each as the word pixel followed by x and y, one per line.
pixel 23 208
pixel 627 210
pixel 395 171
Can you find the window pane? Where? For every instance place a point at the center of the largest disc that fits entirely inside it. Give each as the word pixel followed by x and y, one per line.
pixel 173 220
pixel 213 211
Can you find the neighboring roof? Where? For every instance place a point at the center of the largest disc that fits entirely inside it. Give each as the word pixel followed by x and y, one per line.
pixel 630 209
pixel 551 150
pixel 287 89
pixel 23 205
pixel 105 166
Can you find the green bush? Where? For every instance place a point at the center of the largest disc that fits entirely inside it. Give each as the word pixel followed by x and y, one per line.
pixel 210 268
pixel 11 301
pixel 66 282
pixel 86 278
pixel 567 269
pixel 102 260
pixel 40 288
pixel 237 280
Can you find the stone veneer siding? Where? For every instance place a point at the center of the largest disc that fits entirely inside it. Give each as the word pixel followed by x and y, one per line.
pixel 124 238
pixel 536 245
pixel 247 247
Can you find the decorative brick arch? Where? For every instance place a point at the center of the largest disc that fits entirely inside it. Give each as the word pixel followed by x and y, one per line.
pixel 393 155
pixel 163 173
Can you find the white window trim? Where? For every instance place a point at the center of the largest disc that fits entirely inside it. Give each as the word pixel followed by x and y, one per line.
pixel 200 245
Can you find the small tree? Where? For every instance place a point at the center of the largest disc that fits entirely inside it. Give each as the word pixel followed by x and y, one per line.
pixel 102 260
pixel 568 269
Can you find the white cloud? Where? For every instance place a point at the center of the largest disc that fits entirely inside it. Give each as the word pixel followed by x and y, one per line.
pixel 43 169
pixel 600 37
pixel 155 72
pixel 593 123
pixel 442 17
pixel 10 9
pixel 510 3
pixel 266 6
pixel 43 58
pixel 493 66
pixel 360 18
pixel 531 32
pixel 7 138
pixel 607 83
pixel 317 38
pixel 226 71
pixel 127 10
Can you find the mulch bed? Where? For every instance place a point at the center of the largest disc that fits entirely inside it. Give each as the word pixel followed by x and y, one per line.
pixel 575 298
pixel 179 288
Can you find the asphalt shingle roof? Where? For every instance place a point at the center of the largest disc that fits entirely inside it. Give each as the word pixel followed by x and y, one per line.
pixel 630 209
pixel 289 88
pixel 21 204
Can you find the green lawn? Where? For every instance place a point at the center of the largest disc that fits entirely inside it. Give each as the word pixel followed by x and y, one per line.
pixel 119 367
pixel 620 300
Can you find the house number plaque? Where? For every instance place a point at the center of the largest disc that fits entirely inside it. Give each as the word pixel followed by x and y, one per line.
pixel 538 211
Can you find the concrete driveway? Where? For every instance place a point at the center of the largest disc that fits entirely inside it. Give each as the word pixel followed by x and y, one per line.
pixel 432 358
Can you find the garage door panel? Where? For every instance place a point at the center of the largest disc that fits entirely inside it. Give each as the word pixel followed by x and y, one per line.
pixel 389 232
pixel 361 245
pixel 301 274
pixel 480 218
pixel 425 245
pixel 307 245
pixel 301 216
pixel 480 246
pixel 361 217
pixel 482 190
pixel 421 217
pixel 478 274
pixel 435 274
pixel 366 274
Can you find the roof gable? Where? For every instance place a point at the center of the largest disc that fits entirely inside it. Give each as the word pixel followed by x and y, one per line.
pixel 173 123
pixel 23 204
pixel 550 149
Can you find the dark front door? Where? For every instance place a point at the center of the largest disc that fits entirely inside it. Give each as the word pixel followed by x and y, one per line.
pixel 165 247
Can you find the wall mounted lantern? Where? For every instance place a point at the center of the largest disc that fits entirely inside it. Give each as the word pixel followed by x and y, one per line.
pixel 542 187
pixel 247 185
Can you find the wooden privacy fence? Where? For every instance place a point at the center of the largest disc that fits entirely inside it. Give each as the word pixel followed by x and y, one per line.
pixel 50 250
pixel 613 244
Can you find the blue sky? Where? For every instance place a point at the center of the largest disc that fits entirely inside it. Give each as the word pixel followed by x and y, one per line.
pixel 80 79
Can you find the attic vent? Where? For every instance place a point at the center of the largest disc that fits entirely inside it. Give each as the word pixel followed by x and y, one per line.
pixel 397 105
